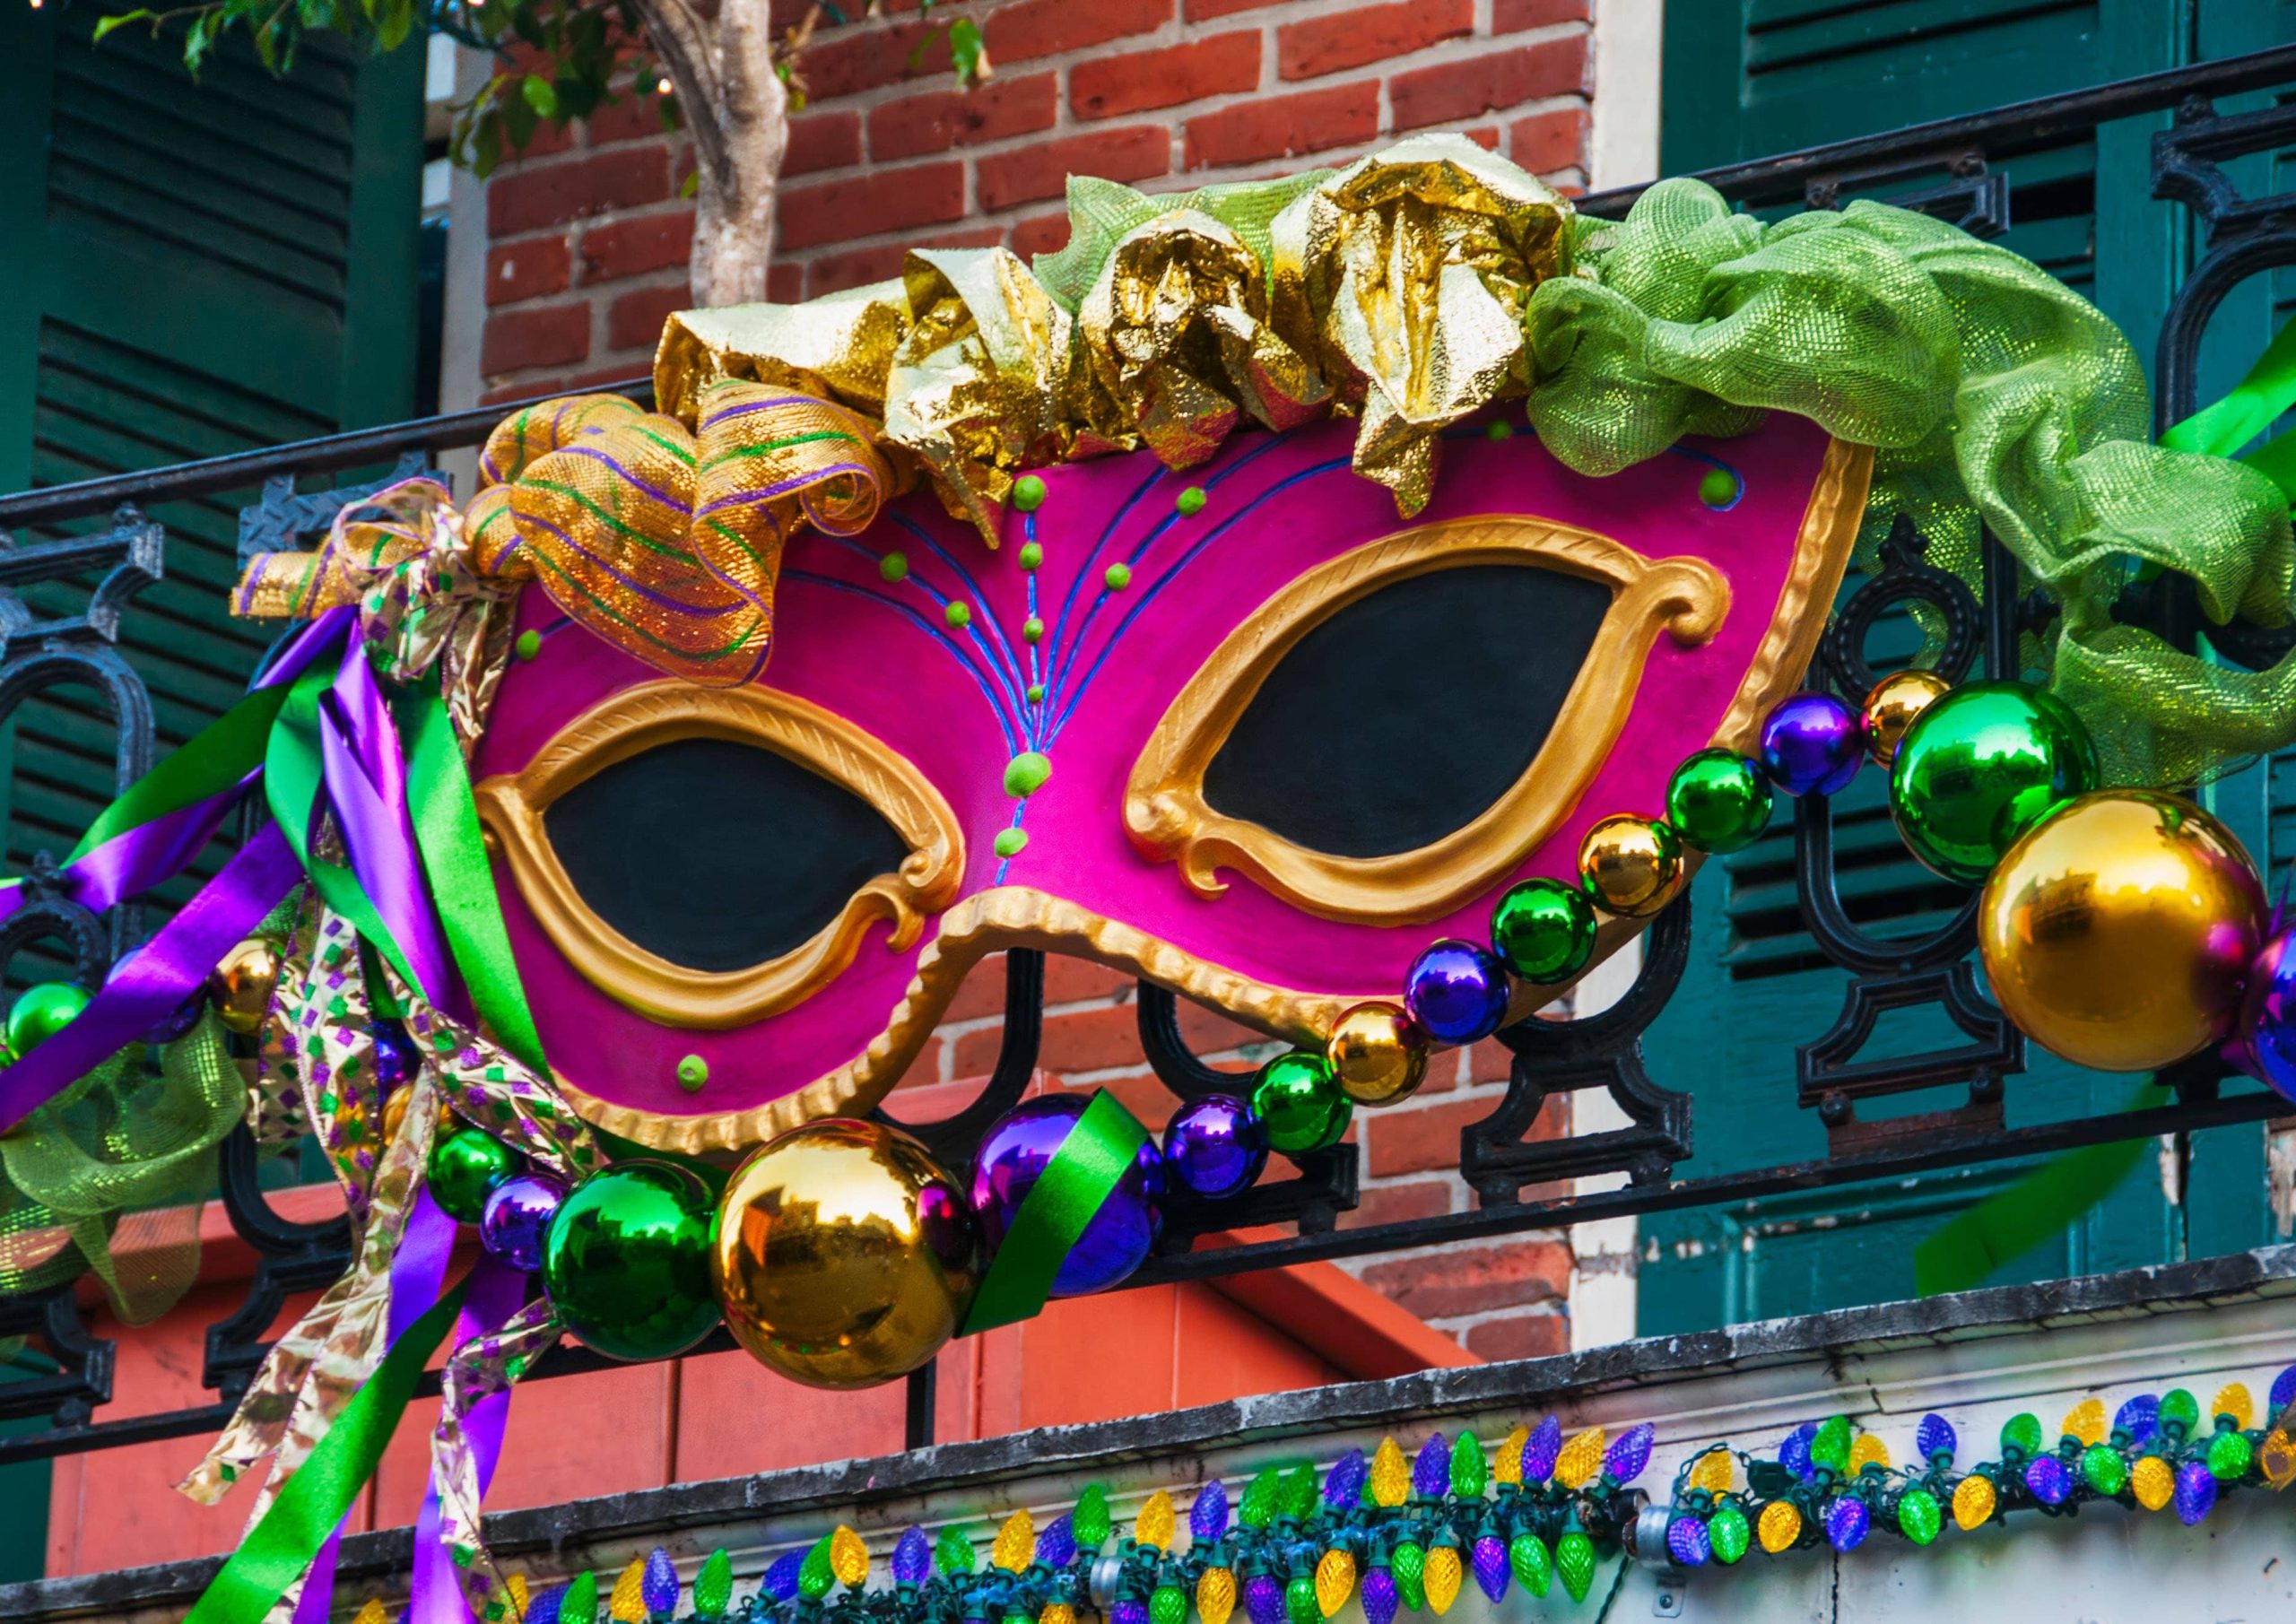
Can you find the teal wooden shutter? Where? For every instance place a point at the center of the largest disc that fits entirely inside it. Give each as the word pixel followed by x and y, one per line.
pixel 187 268
pixel 1744 81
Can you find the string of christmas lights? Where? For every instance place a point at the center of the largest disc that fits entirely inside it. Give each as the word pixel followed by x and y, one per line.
pixel 1402 1533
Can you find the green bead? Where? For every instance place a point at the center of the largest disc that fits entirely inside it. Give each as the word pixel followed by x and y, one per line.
pixel 693 1073
pixel 1028 493
pixel 1533 1564
pixel 1168 1605
pixel 1727 1528
pixel 2228 1455
pixel 1409 1566
pixel 1299 1606
pixel 1574 1559
pixel 40 1013
pixel 1025 773
pixel 1090 1521
pixel 1032 628
pixel 1298 1103
pixel 1982 766
pixel 1032 555
pixel 1036 693
pixel 464 1169
pixel 1190 501
pixel 1468 1469
pixel 1544 930
pixel 893 566
pixel 529 643
pixel 2179 1407
pixel 1499 429
pixel 1918 1517
pixel 1010 842
pixel 1718 800
pixel 1831 1447
pixel 2102 1465
pixel 958 614
pixel 2022 1432
pixel 1118 576
pixel 1718 488
pixel 627 1261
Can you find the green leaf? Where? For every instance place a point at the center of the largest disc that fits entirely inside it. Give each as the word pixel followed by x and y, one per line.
pixel 667 108
pixel 104 25
pixel 199 39
pixel 540 94
pixel 968 52
pixel 394 25
pixel 690 187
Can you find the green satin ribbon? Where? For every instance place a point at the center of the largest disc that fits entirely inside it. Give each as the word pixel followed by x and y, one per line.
pixel 1080 1176
pixel 462 881
pixel 1961 1252
pixel 278 1551
pixel 211 762
pixel 2252 406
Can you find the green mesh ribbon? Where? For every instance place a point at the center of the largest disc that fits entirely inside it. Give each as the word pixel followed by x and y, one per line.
pixel 1101 211
pixel 1991 391
pixel 108 1177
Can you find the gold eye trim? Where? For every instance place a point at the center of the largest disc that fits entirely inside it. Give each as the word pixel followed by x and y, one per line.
pixel 1169 819
pixel 654 714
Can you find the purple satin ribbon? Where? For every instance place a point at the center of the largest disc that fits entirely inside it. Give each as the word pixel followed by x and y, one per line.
pixel 497 1291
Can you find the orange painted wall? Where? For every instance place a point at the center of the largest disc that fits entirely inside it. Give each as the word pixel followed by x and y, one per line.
pixel 1155 1349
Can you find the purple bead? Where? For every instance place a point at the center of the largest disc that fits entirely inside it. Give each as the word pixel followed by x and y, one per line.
pixel 913 1557
pixel 1490 1564
pixel 1431 1473
pixel 397 1060
pixel 1207 1518
pixel 1794 1451
pixel 1214 1147
pixel 1811 744
pixel 780 1581
pixel 1848 1521
pixel 517 1216
pixel 1014 1155
pixel 1379 1596
pixel 2046 1477
pixel 1628 1454
pixel 1456 992
pixel 1055 1547
pixel 2283 1390
pixel 1934 1437
pixel 1688 1541
pixel 2196 1493
pixel 2269 1016
pixel 1129 1609
pixel 2140 1416
pixel 1540 1450
pixel 1263 1599
pixel 1343 1488
pixel 658 1588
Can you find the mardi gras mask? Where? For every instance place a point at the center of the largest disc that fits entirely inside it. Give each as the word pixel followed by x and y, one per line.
pixel 1241 731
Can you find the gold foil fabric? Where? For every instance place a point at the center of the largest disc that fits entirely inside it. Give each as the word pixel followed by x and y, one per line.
pixel 494 1092
pixel 487 1364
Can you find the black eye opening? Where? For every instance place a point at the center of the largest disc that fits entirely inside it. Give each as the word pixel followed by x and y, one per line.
pixel 717 855
pixel 1404 715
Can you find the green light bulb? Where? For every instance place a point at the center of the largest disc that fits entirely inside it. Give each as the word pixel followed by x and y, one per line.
pixel 1727 1528
pixel 2106 1471
pixel 815 1575
pixel 2180 1409
pixel 1533 1564
pixel 1090 1521
pixel 2228 1455
pixel 1409 1566
pixel 1168 1605
pixel 952 1553
pixel 1918 1517
pixel 1574 1559
pixel 1257 1507
pixel 1299 1606
pixel 1831 1447
pixel 1468 1468
pixel 2022 1433
pixel 713 1586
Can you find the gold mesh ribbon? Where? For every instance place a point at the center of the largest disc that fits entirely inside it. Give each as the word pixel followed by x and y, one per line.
pixel 662 539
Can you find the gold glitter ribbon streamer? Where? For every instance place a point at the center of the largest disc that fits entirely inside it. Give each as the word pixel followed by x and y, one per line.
pixel 662 540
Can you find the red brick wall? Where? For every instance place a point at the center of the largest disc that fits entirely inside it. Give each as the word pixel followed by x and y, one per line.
pixel 587 240
pixel 587 249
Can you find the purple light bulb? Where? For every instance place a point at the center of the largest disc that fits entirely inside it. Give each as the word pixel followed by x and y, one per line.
pixel 1129 1609
pixel 1431 1473
pixel 1344 1485
pixel 1056 1546
pixel 2140 1418
pixel 1491 1564
pixel 1379 1596
pixel 1628 1452
pixel 912 1558
pixel 1846 1523
pixel 1263 1599
pixel 1794 1451
pixel 780 1580
pixel 1540 1450
pixel 1207 1519
pixel 2046 1477
pixel 1688 1541
pixel 543 1608
pixel 1934 1437
pixel 2283 1390
pixel 2196 1493
pixel 660 1587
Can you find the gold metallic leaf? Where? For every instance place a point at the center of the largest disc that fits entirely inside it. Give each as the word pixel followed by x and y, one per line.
pixel 849 1558
pixel 1154 1526
pixel 1867 1451
pixel 1508 1467
pixel 1390 1474
pixel 2232 1399
pixel 1335 1582
pixel 2086 1421
pixel 1713 1472
pixel 2154 1482
pixel 1215 1595
pixel 1778 1526
pixel 1016 1543
pixel 1580 1460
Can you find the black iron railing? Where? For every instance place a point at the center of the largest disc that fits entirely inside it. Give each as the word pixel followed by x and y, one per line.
pixel 1943 169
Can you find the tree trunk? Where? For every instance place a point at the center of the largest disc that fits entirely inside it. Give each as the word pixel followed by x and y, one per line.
pixel 738 109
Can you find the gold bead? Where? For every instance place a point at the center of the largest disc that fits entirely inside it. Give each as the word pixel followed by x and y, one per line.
pixel 1632 866
pixel 1973 1502
pixel 2153 1480
pixel 1891 706
pixel 1377 1056
pixel 1778 1527
pixel 1580 1459
pixel 2086 1421
pixel 243 984
pixel 2117 933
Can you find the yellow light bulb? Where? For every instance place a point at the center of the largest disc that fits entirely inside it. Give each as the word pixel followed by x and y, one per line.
pixel 1580 1459
pixel 849 1558
pixel 373 1611
pixel 1508 1467
pixel 662 86
pixel 1154 1524
pixel 1778 1526
pixel 1712 1473
pixel 628 1603
pixel 2232 1399
pixel 1057 1612
pixel 1016 1543
pixel 519 1598
pixel 2086 1421
pixel 1335 1581
pixel 1973 1502
pixel 2276 1458
pixel 1215 1595
pixel 1390 1474
pixel 2154 1480
pixel 1442 1577
pixel 1867 1451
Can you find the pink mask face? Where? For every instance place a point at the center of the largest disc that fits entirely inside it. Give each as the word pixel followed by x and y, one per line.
pixel 1261 750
